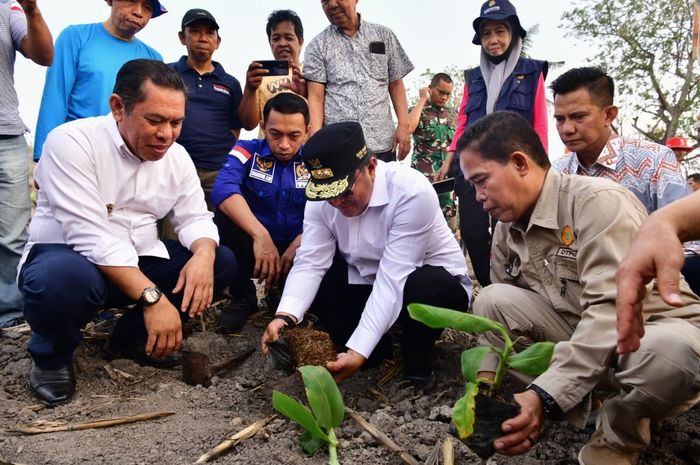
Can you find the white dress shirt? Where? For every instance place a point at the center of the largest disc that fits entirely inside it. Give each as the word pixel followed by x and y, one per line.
pixel 98 197
pixel 401 230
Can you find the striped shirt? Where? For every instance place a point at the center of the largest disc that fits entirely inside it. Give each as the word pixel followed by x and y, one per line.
pixel 13 29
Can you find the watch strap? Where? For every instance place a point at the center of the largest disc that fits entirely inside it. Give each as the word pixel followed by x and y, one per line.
pixel 550 406
pixel 286 318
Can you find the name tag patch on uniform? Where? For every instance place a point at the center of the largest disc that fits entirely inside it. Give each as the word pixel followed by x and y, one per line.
pixel 222 89
pixel 566 252
pixel 262 169
pixel 301 175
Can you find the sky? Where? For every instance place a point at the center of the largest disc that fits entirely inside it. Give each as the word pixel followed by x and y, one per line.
pixel 434 33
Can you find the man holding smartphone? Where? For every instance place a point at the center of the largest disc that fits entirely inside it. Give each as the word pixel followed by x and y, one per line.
pixel 285 33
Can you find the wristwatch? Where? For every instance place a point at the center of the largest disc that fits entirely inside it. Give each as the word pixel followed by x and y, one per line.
pixel 549 405
pixel 150 296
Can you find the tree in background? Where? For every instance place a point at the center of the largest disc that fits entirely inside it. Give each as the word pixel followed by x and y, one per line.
pixel 646 46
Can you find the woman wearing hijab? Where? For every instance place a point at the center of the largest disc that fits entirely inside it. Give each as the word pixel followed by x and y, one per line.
pixel 504 81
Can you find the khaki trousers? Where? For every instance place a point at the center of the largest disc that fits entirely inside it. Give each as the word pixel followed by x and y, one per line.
pixel 661 379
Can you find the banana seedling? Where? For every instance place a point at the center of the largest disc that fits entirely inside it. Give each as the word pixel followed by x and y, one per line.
pixel 327 411
pixel 532 361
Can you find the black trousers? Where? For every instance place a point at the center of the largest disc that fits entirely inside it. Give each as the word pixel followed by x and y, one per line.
pixel 233 237
pixel 63 291
pixel 389 155
pixel 691 272
pixel 339 306
pixel 474 229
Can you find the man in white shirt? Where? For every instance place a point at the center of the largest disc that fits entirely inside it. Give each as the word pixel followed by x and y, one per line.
pixel 103 184
pixel 378 243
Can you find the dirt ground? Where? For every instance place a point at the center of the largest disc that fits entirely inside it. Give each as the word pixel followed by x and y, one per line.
pixel 203 417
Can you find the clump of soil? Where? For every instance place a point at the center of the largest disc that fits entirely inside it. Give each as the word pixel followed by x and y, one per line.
pixel 310 346
pixel 490 414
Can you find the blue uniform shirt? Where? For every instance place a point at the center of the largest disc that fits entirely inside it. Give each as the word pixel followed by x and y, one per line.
pixel 274 190
pixel 210 115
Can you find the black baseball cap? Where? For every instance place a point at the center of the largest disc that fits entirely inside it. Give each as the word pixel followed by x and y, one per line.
pixel 332 156
pixel 497 10
pixel 198 14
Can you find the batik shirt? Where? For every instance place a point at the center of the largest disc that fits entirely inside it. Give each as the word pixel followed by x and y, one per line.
pixel 431 141
pixel 649 170
pixel 356 72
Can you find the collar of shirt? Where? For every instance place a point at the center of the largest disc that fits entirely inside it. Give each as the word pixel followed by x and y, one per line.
pixel 262 149
pixel 607 159
pixel 340 31
pixel 181 66
pixel 380 193
pixel 437 108
pixel 113 131
pixel 547 207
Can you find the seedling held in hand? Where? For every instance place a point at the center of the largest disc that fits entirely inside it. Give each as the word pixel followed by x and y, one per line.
pixel 532 361
pixel 326 414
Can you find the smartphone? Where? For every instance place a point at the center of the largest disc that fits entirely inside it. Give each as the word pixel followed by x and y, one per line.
pixel 446 185
pixel 275 67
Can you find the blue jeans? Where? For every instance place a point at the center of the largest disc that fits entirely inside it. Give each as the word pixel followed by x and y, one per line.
pixel 14 216
pixel 63 291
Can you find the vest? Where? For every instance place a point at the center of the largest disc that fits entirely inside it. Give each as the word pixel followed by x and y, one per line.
pixel 517 93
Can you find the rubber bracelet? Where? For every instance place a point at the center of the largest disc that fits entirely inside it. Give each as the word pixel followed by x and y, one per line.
pixel 287 319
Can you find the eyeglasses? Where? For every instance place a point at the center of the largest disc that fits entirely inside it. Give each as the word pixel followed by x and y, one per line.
pixel 348 191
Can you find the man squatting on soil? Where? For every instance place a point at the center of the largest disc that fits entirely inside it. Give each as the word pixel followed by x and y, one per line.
pixel 93 241
pixel 555 251
pixel 374 240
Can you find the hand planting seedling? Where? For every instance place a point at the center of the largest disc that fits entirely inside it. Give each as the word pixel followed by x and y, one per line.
pixel 480 430
pixel 326 414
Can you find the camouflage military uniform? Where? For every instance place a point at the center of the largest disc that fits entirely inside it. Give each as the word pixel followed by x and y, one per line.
pixel 431 139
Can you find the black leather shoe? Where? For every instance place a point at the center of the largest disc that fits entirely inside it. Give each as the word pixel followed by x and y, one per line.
pixel 234 316
pixel 137 353
pixel 421 383
pixel 52 387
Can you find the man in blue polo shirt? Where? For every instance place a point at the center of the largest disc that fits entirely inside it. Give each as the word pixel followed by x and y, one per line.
pixel 211 124
pixel 259 199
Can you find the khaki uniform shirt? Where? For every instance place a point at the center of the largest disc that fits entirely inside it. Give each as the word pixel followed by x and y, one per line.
pixel 579 231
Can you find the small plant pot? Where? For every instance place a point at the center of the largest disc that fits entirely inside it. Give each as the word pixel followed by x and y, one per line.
pixel 490 415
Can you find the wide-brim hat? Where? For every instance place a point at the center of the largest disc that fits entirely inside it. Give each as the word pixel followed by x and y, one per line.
pixel 332 156
pixel 497 10
pixel 678 143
